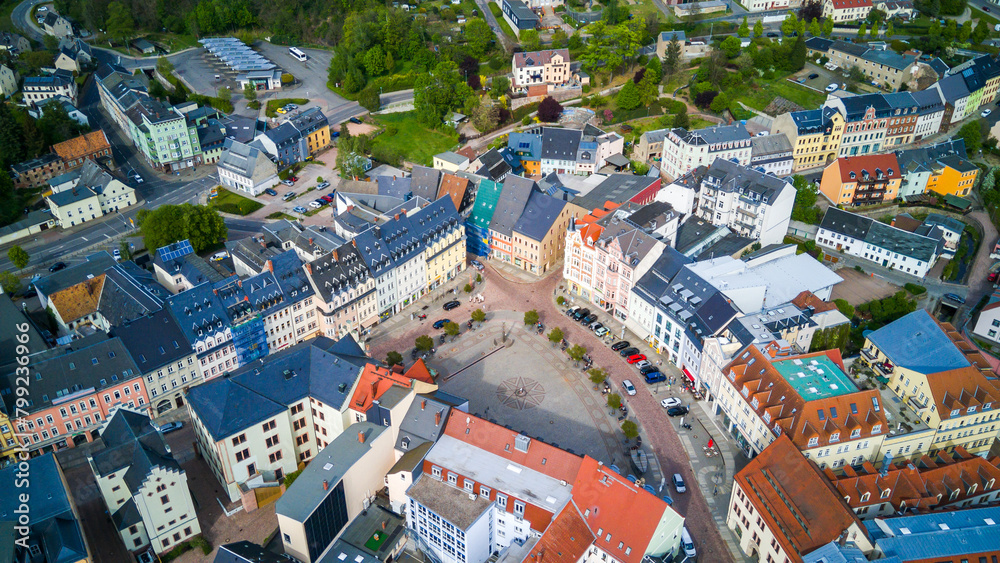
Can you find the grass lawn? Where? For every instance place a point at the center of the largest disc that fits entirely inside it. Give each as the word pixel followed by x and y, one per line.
pixel 6 8
pixel 503 23
pixel 273 105
pixel 760 98
pixel 415 142
pixel 644 9
pixel 981 15
pixel 233 203
pixel 173 41
pixel 280 215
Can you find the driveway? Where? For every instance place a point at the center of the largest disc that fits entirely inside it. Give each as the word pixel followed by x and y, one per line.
pixel 858 288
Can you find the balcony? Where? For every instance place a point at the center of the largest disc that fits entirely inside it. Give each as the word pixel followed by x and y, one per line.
pixel 885 368
pixel 870 355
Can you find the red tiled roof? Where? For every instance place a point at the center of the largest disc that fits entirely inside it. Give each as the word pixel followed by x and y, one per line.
pixel 82 145
pixel 539 58
pixel 497 440
pixel 887 163
pixel 419 372
pixel 468 152
pixel 587 225
pixel 453 186
pixel 844 4
pixel 797 503
pixel 806 299
pixel 961 388
pixel 626 514
pixel 566 539
pixel 374 381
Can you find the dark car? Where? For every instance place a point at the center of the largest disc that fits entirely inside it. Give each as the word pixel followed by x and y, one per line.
pixel 441 322
pixel 355 120
pixel 654 377
pixel 57 266
pixel 620 345
pixel 813 76
pixel 628 352
pixel 648 369
pixel 30 292
pixel 771 34
pixel 677 411
pixel 572 311
pixel 271 192
pixel 170 427
pixel 588 319
pixel 580 314
pixel 451 305
pixel 955 298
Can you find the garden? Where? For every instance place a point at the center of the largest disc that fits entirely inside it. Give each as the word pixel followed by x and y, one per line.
pixel 411 140
pixel 233 203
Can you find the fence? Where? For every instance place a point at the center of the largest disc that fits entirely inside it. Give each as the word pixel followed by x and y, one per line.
pixel 583 17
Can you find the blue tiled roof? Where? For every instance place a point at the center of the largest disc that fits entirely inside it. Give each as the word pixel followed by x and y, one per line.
pixel 916 342
pixel 938 535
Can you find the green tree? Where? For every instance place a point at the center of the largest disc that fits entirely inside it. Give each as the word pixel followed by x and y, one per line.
pixel 630 429
pixel 438 92
pixel 979 35
pixel 973 136
pixel 249 93
pixel 55 126
pixel 614 400
pixel 479 315
pixel 500 86
pixel 797 58
pixel 556 335
pixel 649 88
pixel 758 28
pixel 654 69
pixel 964 32
pixel 375 61
pixel 597 375
pixel 827 27
pixel 201 225
pixel 478 34
pixel 119 24
pixel 790 24
pixel 164 66
pixel 672 57
pixel 394 358
pixel 531 317
pixel 610 46
pixel 576 352
pixel 530 40
pixel 844 307
pixel 18 257
pixel 628 97
pixel 873 32
pixel 423 343
pixel 804 208
pixel 225 94
pixel 369 99
pixel 815 29
pixel 730 46
pixel 889 31
pixel 10 283
pixel 486 117
pixel 744 30
pixel 720 103
pixel 451 329
pixel 862 30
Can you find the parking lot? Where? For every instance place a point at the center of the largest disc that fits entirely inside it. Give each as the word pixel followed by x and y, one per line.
pixel 858 288
pixel 198 69
pixel 825 78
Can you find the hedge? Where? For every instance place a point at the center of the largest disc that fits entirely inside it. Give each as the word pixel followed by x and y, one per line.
pixel 915 289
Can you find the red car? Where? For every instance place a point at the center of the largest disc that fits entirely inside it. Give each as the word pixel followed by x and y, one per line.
pixel 327 198
pixel 636 358
pixel 293 178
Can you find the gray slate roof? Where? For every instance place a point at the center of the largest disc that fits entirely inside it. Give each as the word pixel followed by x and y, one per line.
pixel 246 552
pixel 241 159
pixel 884 236
pixel 154 341
pixel 513 198
pixel 617 188
pixel 422 423
pixel 540 213
pixel 424 182
pixel 131 442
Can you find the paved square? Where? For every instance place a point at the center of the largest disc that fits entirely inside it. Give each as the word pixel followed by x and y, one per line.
pixel 529 388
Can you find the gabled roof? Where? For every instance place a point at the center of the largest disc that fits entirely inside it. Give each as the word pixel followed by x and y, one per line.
pixel 78 301
pixel 539 58
pixel 540 213
pixel 423 423
pixel 917 342
pixel 874 166
pixel 131 443
pixel 513 199
pixel 83 145
pixel 424 182
pixel 559 143
pixel 454 187
pixel 566 540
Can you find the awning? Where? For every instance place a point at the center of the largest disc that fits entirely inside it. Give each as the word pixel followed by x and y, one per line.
pixel 688 375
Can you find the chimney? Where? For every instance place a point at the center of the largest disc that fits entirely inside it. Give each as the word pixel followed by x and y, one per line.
pixel 423 404
pixel 270 266
pixel 437 418
pixel 309 268
pixel 334 254
pixel 310 241
pixel 326 485
pixel 374 388
pixel 262 243
pixel 361 437
pixel 397 216
pixel 383 524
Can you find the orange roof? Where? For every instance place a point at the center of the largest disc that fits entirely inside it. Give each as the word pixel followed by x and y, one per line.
pixel 797 503
pixel 467 152
pixel 454 186
pixel 806 299
pixel 80 300
pixel 627 515
pixel 961 388
pixel 82 146
pixel 497 440
pixel 917 484
pixel 566 539
pixel 374 381
pixel 419 372
pixel 800 419
pixel 870 163
pixel 587 225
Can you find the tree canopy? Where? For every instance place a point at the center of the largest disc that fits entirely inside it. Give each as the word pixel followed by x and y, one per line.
pixel 201 225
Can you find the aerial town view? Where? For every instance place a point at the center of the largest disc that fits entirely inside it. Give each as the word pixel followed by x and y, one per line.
pixel 499 281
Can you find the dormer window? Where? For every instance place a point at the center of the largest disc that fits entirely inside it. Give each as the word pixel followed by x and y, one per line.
pixel 886 493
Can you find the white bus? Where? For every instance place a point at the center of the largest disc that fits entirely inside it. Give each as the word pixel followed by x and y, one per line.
pixel 298 54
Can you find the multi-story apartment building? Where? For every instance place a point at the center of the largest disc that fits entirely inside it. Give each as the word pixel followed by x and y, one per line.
pixel 783 508
pixel 347 301
pixel 888 246
pixel 538 237
pixel 902 124
pixel 74 206
pixel 557 497
pixel 163 135
pixel 966 88
pixel 862 180
pixel 947 381
pixel 930 112
pixel 442 235
pixel 285 300
pixel 120 91
pixel 952 174
pixel 509 206
pixel 773 154
pixel 814 135
pixel 880 65
pixel 477 225
pixel 246 168
pixel 866 122
pixel 544 150
pixel 751 203
pixel 313 125
pixel 37 171
pixel 683 150
pixel 8 81
pixel 548 68
pixel 396 260
pixel 919 165
pixel 39 88
pixel 87 147
pixel 285 143
pixel 73 389
pixel 143 486
pixel 846 10
pixel 767 393
pixel 207 327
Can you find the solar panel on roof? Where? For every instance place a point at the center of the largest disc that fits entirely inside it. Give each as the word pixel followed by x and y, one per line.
pixel 174 251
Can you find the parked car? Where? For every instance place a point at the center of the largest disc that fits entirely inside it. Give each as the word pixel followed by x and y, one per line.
pixel 596 326
pixel 322 185
pixel 580 314
pixel 670 402
pixel 477 265
pixel 138 179
pixel 572 311
pixel 57 266
pixel 679 483
pixel 30 292
pixel 440 323
pixel 602 331
pixel 642 363
pixel 772 34
pixel 220 256
pixel 588 319
pixel 688 544
pixel 118 255
pixel 281 110
pixel 654 377
pixel 271 192
pixel 617 346
pixel 646 369
pixel 327 199
pixel 299 209
pixel 316 204
pixel 634 358
pixel 355 120
pixel 955 298
pixel 291 106
pixel 629 388
pixel 170 427
pixel 677 411
pixel 451 305
pixel 813 76
pixel 630 351
pixel 42 9
pixel 986 113
pixel 288 182
pixel 288 196
pixel 832 88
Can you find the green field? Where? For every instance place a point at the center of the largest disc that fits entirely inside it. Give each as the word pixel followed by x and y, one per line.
pixel 759 99
pixel 415 142
pixel 503 23
pixel 233 203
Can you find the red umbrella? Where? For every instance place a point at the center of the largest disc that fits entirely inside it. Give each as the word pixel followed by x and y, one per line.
pixel 711 442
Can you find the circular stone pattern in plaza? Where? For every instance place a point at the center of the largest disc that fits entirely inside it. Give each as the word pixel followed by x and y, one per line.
pixel 520 393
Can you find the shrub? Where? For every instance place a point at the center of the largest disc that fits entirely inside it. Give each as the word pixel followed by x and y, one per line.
pixel 467 288
pixel 915 289
pixel 560 300
pixel 287 78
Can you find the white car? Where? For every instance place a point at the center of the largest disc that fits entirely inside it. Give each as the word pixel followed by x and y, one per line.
pixel 832 88
pixel 629 388
pixel 670 402
pixel 602 331
pixel 43 9
pixel 315 204
pixel 763 133
pixel 138 179
pixel 986 113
